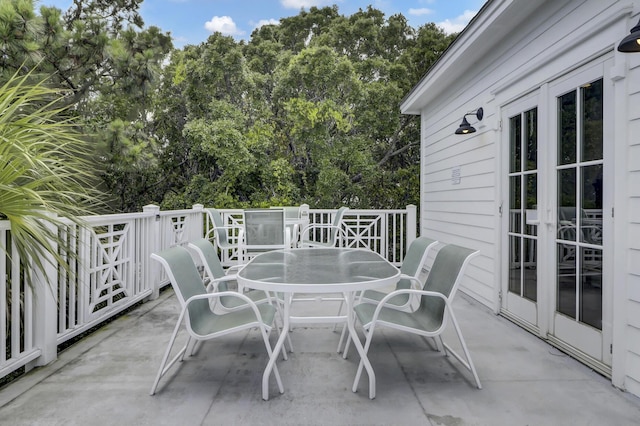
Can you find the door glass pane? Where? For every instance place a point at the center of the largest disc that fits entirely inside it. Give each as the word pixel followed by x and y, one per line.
pixel 531 200
pixel 515 141
pixel 592 106
pixel 566 279
pixel 531 135
pixel 592 204
pixel 566 199
pixel 591 287
pixel 530 269
pixel 515 204
pixel 567 129
pixel 515 265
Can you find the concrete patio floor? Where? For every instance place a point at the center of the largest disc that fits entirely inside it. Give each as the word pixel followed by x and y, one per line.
pixel 105 379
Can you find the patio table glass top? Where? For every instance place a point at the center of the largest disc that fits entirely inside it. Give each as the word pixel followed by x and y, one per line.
pixel 318 270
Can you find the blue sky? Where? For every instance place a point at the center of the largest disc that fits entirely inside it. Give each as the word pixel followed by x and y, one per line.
pixel 192 21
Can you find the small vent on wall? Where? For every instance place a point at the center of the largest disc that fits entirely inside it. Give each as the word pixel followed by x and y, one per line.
pixel 456 175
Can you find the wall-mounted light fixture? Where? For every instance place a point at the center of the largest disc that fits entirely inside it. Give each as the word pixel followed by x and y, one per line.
pixel 465 127
pixel 631 43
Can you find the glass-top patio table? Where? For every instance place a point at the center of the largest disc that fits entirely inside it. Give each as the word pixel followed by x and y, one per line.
pixel 318 270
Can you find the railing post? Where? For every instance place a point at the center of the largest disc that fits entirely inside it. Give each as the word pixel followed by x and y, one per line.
pixel 45 315
pixel 153 235
pixel 412 223
pixel 198 230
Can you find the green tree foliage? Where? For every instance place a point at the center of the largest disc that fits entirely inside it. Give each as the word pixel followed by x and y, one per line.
pixel 96 53
pixel 304 111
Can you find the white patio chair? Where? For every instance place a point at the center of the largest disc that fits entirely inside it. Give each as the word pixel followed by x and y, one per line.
pixel 331 235
pixel 199 320
pixel 218 280
pixel 264 230
pixel 223 233
pixel 431 318
pixel 411 268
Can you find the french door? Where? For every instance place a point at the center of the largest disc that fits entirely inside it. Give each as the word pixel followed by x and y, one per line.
pixel 557 213
pixel 581 318
pixel 521 220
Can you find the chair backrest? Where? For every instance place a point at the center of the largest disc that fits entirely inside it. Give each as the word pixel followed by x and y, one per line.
pixel 413 260
pixel 337 221
pixel 444 277
pixel 210 260
pixel 264 228
pixel 219 225
pixel 185 279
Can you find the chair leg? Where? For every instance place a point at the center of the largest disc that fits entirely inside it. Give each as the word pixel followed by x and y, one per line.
pixel 468 363
pixel 190 348
pixel 196 346
pixel 164 365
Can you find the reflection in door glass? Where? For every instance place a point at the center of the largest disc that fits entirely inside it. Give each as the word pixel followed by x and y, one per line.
pixel 593 134
pixel 531 120
pixel 580 198
pixel 567 133
pixel 591 287
pixel 530 269
pixel 515 264
pixel 523 205
pixel 515 129
pixel 514 204
pixel 566 274
pixel 591 216
pixel 531 181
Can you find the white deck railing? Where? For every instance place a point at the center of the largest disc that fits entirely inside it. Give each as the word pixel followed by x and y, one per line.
pixel 111 270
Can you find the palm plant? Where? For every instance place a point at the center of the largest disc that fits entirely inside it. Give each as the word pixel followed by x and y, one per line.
pixel 45 170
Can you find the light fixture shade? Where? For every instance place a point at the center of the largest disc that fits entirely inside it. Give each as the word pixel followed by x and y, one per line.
pixel 465 127
pixel 631 43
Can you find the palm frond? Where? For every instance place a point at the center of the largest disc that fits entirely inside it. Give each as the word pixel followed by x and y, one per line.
pixel 46 177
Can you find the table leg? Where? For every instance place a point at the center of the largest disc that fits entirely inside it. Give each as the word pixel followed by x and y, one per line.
pixel 349 297
pixel 277 348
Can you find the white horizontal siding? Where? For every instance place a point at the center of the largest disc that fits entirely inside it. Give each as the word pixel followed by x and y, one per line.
pixel 630 247
pixel 462 211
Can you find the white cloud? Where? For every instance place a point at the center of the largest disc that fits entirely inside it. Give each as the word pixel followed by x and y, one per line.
pixel 299 4
pixel 224 25
pixel 267 22
pixel 457 24
pixel 420 12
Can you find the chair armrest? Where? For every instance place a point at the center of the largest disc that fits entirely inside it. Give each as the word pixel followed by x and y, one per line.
pixel 228 227
pixel 232 268
pixel 384 300
pixel 213 284
pixel 320 226
pixel 414 282
pixel 218 295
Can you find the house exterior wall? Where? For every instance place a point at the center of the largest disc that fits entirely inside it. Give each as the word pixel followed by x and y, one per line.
pixel 513 50
pixel 630 161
